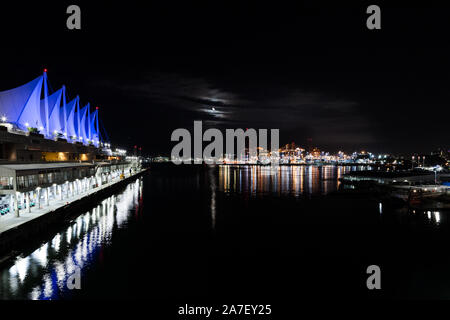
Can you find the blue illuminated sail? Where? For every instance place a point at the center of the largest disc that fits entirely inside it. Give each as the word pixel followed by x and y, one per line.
pixel 83 122
pixel 55 111
pixel 70 112
pixel 30 105
pixel 94 132
pixel 21 106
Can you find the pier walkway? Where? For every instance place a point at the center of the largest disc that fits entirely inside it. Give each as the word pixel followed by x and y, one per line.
pixel 11 221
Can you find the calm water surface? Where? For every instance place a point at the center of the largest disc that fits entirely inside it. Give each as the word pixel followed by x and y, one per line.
pixel 237 231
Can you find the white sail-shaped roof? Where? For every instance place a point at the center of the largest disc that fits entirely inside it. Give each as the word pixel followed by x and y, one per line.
pixel 55 110
pixel 21 106
pixel 70 112
pixel 83 122
pixel 94 133
pixel 30 105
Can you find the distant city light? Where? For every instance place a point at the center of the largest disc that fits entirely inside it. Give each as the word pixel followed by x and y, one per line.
pixel 3 118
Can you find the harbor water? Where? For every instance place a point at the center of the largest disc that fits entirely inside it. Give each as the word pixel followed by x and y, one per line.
pixel 222 232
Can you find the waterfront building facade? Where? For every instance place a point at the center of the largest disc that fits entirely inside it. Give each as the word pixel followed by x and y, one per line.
pixel 24 187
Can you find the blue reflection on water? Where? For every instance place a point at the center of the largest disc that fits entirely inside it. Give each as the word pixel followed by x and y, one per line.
pixel 43 274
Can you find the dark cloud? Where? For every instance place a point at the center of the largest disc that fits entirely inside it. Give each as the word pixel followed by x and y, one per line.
pixel 311 114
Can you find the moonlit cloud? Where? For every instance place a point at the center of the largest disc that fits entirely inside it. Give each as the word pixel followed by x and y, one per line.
pixel 300 114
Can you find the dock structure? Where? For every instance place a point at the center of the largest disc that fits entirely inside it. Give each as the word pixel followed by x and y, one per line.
pixel 32 189
pixel 407 178
pixel 419 192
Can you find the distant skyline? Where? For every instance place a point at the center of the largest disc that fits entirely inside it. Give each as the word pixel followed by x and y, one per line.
pixel 311 71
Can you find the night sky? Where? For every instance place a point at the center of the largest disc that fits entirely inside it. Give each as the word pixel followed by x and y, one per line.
pixel 312 69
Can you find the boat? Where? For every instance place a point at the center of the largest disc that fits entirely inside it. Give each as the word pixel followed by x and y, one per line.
pixel 418 192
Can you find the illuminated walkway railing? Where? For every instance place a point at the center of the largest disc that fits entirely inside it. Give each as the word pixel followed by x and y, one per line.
pixel 30 205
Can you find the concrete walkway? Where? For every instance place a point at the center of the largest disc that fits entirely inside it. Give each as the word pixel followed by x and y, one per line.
pixel 10 221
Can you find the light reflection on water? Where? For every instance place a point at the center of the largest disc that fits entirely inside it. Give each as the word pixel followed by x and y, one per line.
pixel 285 180
pixel 43 274
pixel 301 181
